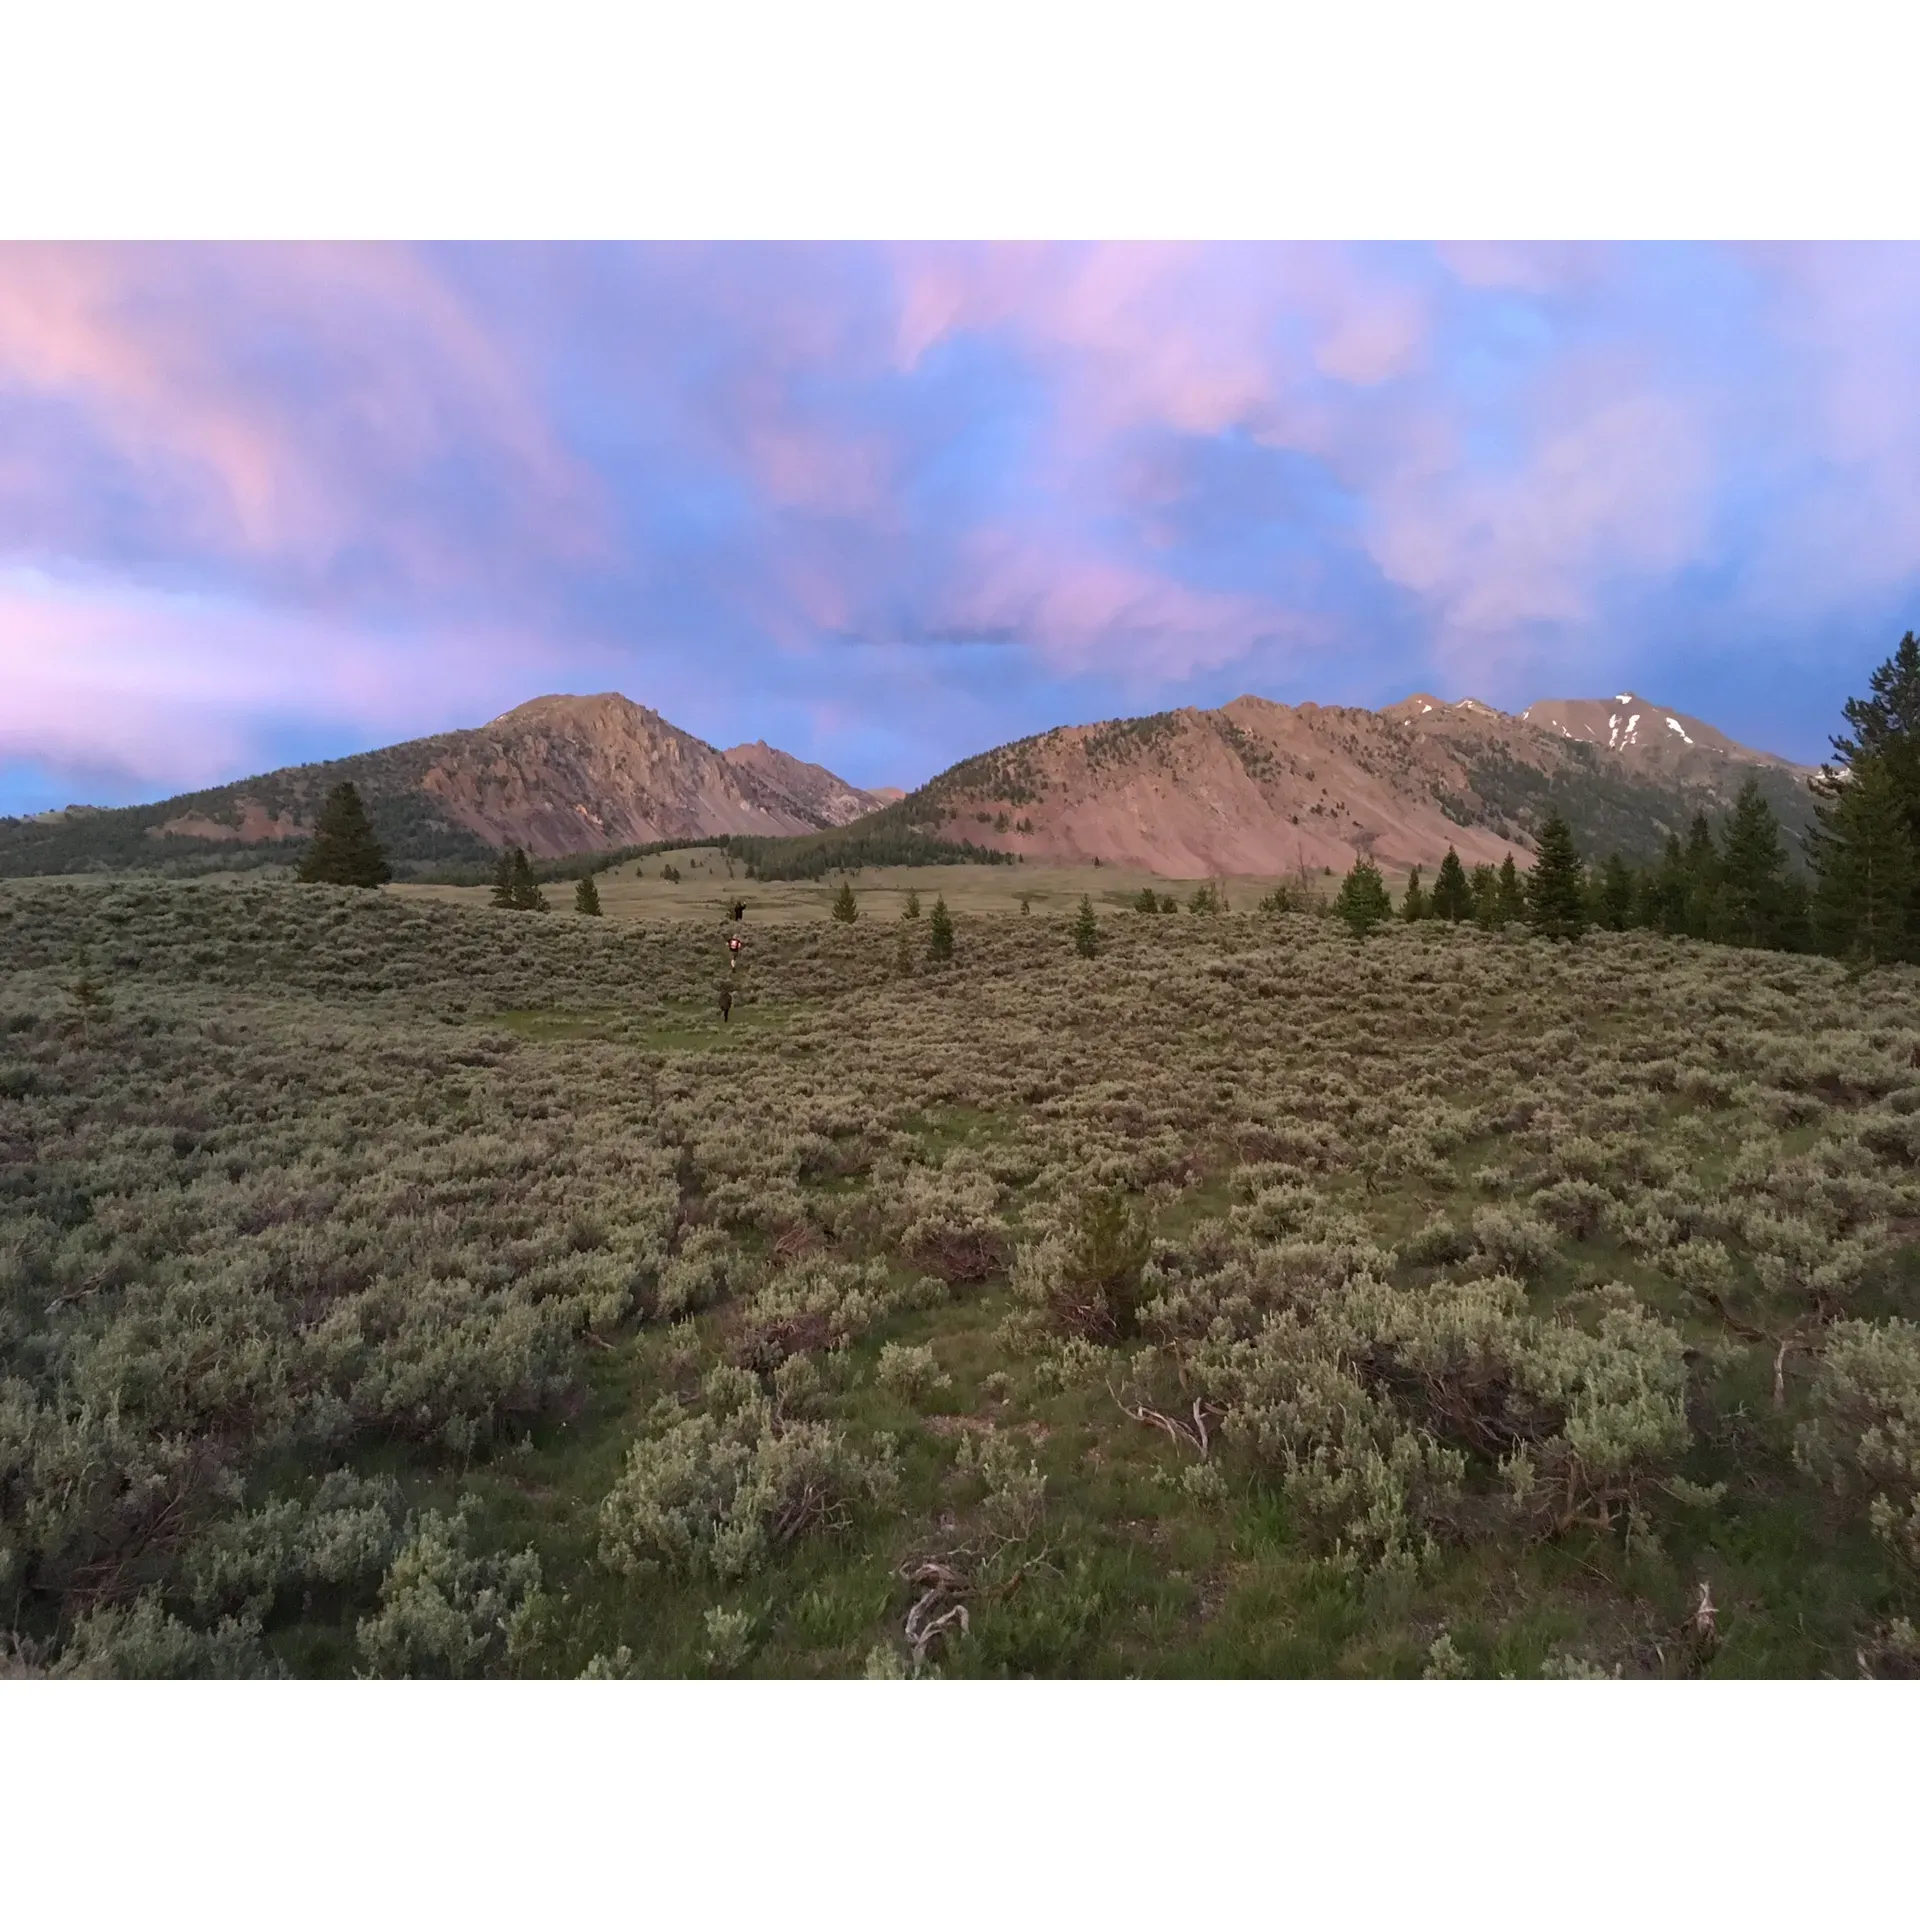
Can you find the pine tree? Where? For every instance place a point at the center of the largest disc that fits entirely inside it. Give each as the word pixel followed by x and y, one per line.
pixel 1363 903
pixel 1864 905
pixel 1886 728
pixel 1452 896
pixel 1168 904
pixel 1146 901
pixel 514 885
pixel 1752 868
pixel 1616 895
pixel 1665 893
pixel 1556 888
pixel 1705 913
pixel 1086 930
pixel 1509 896
pixel 845 907
pixel 1414 906
pixel 911 911
pixel 344 852
pixel 586 896
pixel 940 930
pixel 1485 884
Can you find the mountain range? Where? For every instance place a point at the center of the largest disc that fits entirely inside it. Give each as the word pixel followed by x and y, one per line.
pixel 1252 787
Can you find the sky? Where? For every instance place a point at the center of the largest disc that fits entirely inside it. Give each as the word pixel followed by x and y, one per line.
pixel 887 505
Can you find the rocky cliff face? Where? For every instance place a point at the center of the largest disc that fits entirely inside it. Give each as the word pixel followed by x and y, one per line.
pixel 809 790
pixel 571 773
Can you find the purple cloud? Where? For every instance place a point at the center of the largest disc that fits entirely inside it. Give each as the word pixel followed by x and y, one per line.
pixel 884 505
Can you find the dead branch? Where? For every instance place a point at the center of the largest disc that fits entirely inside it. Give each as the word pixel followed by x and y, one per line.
pixel 1194 1434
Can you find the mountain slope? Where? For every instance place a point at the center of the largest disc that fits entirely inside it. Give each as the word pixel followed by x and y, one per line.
pixel 1650 735
pixel 1259 788
pixel 810 790
pixel 562 774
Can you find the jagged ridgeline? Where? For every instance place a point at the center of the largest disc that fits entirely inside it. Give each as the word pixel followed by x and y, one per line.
pixel 583 782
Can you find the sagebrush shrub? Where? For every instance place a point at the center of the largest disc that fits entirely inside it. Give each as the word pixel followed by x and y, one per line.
pixel 911 1372
pixel 718 1494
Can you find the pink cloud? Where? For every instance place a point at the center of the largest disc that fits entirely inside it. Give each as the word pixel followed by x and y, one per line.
pixel 1084 612
pixel 180 690
pixel 160 349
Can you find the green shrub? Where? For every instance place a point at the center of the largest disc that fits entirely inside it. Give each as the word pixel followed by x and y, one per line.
pixel 718 1494
pixel 447 1612
pixel 911 1372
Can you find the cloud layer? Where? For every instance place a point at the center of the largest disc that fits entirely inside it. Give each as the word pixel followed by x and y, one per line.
pixel 884 505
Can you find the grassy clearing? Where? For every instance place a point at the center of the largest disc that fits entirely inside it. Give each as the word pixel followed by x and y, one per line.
pixel 387 1287
pixel 707 889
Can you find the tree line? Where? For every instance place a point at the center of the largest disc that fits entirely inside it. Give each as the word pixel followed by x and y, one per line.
pixel 1858 897
pixel 1854 894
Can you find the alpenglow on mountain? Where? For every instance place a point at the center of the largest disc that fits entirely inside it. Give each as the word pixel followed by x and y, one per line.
pixel 1253 787
pixel 566 773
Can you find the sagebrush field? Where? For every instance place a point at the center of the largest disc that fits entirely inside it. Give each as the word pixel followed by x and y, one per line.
pixel 396 1288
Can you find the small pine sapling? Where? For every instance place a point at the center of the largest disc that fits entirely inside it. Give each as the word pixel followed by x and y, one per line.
pixel 88 994
pixel 586 896
pixel 940 931
pixel 1086 930
pixel 845 908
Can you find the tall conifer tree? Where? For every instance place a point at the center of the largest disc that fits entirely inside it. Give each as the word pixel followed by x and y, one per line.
pixel 1864 906
pixel 1556 888
pixel 1752 871
pixel 1509 896
pixel 1452 897
pixel 1616 894
pixel 344 852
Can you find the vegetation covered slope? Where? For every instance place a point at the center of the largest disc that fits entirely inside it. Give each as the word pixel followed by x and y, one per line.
pixel 402 1289
pixel 578 775
pixel 1258 787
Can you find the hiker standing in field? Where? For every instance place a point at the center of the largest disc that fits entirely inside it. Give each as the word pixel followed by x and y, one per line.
pixel 734 946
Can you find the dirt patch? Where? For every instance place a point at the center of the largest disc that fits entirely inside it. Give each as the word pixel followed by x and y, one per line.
pixel 948 1424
